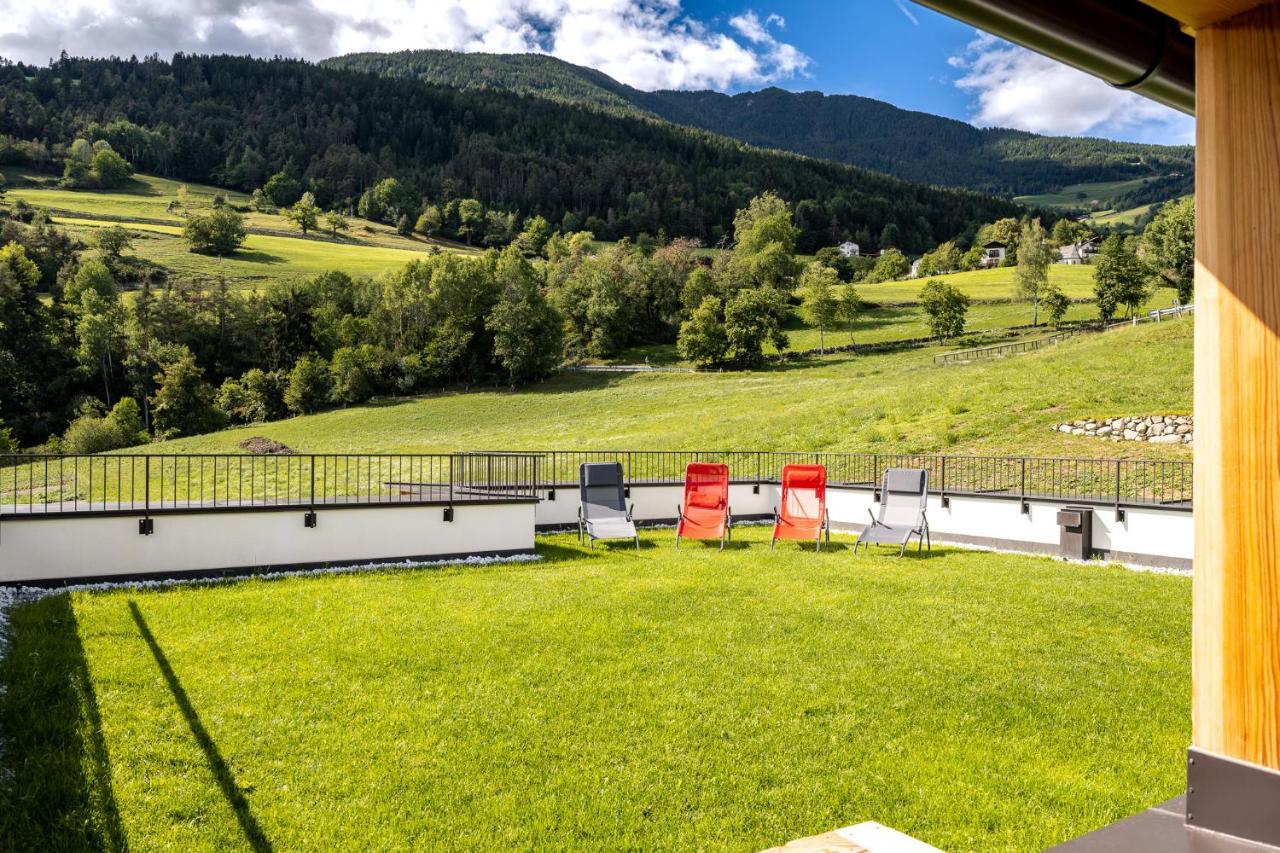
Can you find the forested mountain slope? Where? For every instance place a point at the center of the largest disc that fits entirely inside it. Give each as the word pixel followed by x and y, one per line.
pixel 234 121
pixel 861 131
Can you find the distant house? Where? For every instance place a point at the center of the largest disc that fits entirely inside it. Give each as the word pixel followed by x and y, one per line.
pixel 992 254
pixel 849 249
pixel 1078 253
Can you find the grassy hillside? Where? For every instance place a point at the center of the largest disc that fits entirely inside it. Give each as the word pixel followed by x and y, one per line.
pixel 274 252
pixel 1089 195
pixel 262 260
pixel 1075 281
pixel 885 403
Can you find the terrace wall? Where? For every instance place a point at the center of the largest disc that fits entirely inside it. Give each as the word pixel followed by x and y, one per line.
pixel 108 546
pixel 1156 536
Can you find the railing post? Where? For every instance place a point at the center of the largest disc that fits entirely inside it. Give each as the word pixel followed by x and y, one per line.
pixel 1119 509
pixel 1022 489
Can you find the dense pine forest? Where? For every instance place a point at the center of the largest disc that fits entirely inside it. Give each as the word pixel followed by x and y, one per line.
pixel 235 122
pixel 860 131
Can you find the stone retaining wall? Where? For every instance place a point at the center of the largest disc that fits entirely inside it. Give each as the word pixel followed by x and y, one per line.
pixel 1158 429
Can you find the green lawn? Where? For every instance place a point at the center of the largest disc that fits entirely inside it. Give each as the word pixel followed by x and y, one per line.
pixel 891 402
pixel 1075 281
pixel 263 260
pixel 691 700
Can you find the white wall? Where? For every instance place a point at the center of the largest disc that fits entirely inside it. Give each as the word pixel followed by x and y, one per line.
pixel 80 546
pixel 1157 536
pixel 1148 534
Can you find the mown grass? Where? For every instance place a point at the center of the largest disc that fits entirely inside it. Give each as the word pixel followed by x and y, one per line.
pixel 890 402
pixel 609 700
pixel 263 261
pixel 1075 280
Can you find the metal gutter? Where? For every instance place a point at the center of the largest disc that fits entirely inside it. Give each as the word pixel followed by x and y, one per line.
pixel 1126 43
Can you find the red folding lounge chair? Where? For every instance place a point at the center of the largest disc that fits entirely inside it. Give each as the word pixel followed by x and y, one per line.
pixel 803 512
pixel 705 511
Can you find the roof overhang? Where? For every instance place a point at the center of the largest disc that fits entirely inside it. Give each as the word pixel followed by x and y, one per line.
pixel 1129 44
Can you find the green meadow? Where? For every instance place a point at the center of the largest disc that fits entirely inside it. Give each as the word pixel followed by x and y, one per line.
pixel 886 402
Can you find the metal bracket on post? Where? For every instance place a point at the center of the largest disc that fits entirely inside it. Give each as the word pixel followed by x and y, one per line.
pixel 309 520
pixel 448 513
pixel 146 526
pixel 1233 797
pixel 551 494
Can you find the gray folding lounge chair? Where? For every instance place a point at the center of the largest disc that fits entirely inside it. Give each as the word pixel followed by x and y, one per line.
pixel 603 513
pixel 903 496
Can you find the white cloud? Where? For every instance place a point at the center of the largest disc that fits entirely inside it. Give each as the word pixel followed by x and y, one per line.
pixel 1014 87
pixel 649 44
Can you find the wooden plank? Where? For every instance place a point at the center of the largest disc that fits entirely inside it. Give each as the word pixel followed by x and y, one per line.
pixel 1236 624
pixel 1201 13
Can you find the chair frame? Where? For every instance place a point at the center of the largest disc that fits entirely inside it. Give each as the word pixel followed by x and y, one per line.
pixel 584 524
pixel 824 529
pixel 920 531
pixel 726 535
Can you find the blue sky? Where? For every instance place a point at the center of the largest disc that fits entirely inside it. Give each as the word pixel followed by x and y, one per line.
pixel 910 56
pixel 893 50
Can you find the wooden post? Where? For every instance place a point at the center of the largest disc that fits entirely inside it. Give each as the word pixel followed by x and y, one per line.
pixel 1236 632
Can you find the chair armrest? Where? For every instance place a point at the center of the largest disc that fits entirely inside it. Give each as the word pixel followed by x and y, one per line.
pixel 875 522
pixel 631 511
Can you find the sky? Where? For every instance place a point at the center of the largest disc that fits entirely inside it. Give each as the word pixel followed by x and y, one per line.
pixel 893 50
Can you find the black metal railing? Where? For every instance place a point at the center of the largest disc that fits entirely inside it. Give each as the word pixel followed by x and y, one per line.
pixel 142 484
pixel 1122 482
pixel 133 484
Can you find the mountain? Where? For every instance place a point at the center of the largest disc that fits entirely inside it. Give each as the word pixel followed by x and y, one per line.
pixel 849 129
pixel 235 121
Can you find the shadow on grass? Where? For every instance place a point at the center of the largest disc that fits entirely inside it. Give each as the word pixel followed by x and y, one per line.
pixel 257 256
pixel 222 772
pixel 58 793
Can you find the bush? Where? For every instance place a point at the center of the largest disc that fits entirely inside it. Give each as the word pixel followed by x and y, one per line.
pixel 702 338
pixel 308 388
pixel 91 434
pixel 751 318
pixel 947 308
pixel 183 402
pixel 354 374
pixel 7 442
pixel 217 232
pixel 891 265
pixel 125 418
pixel 256 397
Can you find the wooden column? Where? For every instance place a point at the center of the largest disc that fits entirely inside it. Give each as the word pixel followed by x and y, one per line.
pixel 1236 633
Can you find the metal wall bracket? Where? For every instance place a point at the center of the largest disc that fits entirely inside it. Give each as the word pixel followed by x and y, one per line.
pixel 146 526
pixel 309 520
pixel 1120 514
pixel 1026 508
pixel 626 491
pixel 946 501
pixel 551 494
pixel 755 489
pixel 1233 797
pixel 448 513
